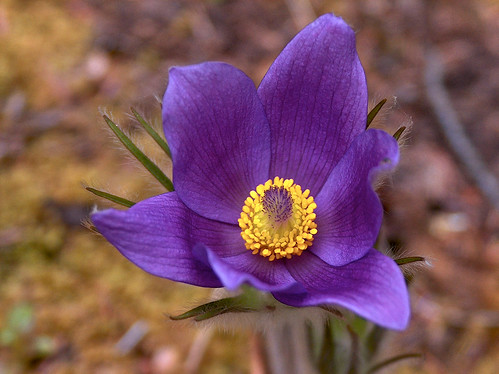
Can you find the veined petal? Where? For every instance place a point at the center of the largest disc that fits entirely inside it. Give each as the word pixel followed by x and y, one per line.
pixel 349 212
pixel 372 287
pixel 315 98
pixel 158 235
pixel 246 268
pixel 219 138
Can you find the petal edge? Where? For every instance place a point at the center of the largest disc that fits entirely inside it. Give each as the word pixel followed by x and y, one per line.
pixel 219 138
pixel 373 287
pixel 315 98
pixel 159 233
pixel 349 212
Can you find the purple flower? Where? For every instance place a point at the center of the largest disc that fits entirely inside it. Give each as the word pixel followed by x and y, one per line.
pixel 273 185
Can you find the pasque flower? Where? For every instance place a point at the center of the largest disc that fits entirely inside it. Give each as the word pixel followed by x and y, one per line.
pixel 273 185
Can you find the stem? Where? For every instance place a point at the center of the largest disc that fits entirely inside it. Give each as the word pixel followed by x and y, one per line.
pixel 301 350
pixel 277 354
pixel 453 130
pixel 393 360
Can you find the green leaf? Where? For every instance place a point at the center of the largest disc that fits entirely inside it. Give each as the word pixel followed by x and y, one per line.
pixel 399 133
pixel 139 155
pixel 374 111
pixel 111 197
pixel 354 351
pixel 326 362
pixel 212 309
pixel 21 318
pixel 393 360
pixel 7 337
pixel 158 139
pixel 408 260
pixel 217 312
pixel 199 310
pixel 373 341
pixel 44 346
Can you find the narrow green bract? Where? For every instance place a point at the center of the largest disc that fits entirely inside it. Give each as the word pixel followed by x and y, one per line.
pixel 408 260
pixel 399 133
pixel 158 139
pixel 111 197
pixel 139 155
pixel 374 112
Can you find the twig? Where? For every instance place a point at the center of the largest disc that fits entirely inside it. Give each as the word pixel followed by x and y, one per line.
pixel 302 12
pixel 277 353
pixel 453 130
pixel 132 337
pixel 257 358
pixel 197 350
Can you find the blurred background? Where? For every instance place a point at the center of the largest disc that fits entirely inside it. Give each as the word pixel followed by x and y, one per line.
pixel 67 298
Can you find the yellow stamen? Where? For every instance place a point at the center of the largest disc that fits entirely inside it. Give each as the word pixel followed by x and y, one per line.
pixel 277 219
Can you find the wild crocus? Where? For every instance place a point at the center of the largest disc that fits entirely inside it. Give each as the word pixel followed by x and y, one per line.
pixel 273 185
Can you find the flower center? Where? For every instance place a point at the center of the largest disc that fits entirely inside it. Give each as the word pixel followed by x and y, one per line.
pixel 277 220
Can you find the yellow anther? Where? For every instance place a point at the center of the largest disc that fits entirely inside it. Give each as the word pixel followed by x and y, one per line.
pixel 277 219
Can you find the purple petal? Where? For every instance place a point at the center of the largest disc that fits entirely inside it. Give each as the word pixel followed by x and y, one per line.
pixel 219 138
pixel 373 287
pixel 158 235
pixel 349 212
pixel 315 97
pixel 247 268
